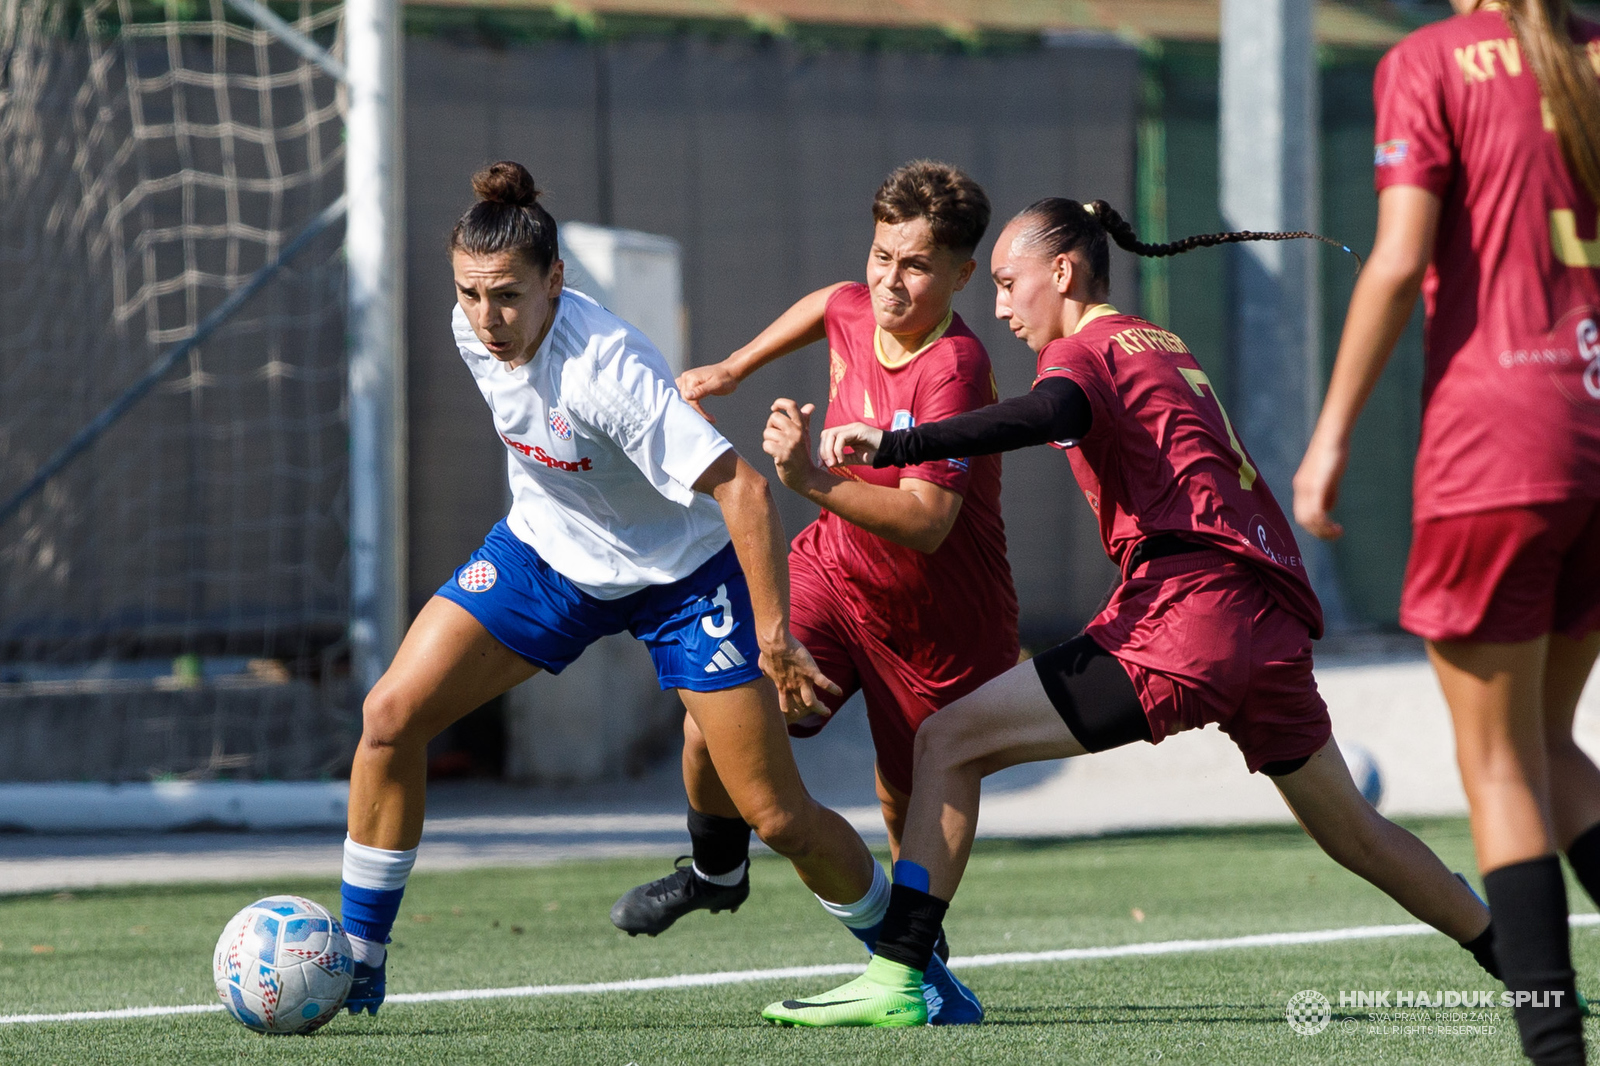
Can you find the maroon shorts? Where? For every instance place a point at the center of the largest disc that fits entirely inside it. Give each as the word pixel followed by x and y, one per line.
pixel 1204 641
pixel 899 695
pixel 1505 576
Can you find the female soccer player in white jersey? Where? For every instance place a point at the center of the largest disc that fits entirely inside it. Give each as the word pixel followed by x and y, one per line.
pixel 629 512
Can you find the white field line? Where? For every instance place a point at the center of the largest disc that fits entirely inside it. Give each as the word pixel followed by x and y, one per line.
pixel 736 977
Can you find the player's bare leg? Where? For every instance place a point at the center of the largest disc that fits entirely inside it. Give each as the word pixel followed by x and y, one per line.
pixel 1008 721
pixel 1335 814
pixel 700 781
pixel 895 805
pixel 1496 694
pixel 1574 779
pixel 447 666
pixel 748 743
pixel 1496 698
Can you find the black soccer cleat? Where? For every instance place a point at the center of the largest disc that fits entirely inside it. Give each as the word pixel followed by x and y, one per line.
pixel 652 908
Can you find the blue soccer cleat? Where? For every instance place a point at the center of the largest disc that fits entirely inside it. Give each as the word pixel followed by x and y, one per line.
pixel 949 1001
pixel 366 989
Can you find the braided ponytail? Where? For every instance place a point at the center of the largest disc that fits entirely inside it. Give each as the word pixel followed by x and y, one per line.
pixel 1057 226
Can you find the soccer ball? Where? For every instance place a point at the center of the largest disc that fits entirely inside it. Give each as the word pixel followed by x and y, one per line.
pixel 283 965
pixel 1364 771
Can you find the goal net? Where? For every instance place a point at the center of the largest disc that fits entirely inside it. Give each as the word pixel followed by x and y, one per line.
pixel 173 603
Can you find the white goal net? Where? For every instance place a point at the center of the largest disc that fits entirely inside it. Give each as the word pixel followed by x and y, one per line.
pixel 174 602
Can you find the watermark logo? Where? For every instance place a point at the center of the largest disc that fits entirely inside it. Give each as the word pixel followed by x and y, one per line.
pixel 1308 1012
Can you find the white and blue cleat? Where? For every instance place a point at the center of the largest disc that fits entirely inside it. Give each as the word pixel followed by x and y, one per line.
pixel 366 988
pixel 949 1001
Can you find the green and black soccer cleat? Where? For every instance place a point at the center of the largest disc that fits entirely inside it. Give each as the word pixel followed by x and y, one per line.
pixel 889 994
pixel 651 909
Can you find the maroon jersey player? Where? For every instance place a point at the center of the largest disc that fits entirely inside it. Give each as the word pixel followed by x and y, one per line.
pixel 912 628
pixel 1212 622
pixel 1488 171
pixel 901 588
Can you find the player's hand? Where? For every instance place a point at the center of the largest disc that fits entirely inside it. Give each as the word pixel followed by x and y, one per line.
pixel 1316 487
pixel 853 445
pixel 698 382
pixel 788 440
pixel 798 677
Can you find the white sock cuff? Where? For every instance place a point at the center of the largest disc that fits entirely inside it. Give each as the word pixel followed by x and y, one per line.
pixel 727 880
pixel 867 911
pixel 375 868
pixel 368 951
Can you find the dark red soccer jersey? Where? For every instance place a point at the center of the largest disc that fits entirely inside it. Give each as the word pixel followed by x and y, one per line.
pixel 1161 455
pixel 940 611
pixel 1512 388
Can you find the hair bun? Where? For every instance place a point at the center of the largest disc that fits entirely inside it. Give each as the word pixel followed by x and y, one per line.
pixel 505 182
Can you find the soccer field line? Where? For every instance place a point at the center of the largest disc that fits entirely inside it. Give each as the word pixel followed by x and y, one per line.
pixel 736 977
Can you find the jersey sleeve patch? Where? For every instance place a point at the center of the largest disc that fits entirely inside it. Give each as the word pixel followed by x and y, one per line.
pixel 1414 143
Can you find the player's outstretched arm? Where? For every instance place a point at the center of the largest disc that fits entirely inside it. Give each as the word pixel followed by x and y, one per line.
pixel 797 327
pixel 1056 409
pixel 1385 294
pixel 758 541
pixel 914 514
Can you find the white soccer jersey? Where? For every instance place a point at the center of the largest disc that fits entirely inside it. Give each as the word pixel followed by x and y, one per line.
pixel 602 453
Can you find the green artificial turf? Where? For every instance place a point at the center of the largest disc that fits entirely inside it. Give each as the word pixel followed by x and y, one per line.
pixel 484 929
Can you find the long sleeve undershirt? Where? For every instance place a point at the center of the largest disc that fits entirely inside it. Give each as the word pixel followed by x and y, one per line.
pixel 1056 410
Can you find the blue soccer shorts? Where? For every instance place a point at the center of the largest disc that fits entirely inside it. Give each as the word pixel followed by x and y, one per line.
pixel 700 629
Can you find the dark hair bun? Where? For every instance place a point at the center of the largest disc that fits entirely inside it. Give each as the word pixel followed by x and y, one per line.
pixel 505 182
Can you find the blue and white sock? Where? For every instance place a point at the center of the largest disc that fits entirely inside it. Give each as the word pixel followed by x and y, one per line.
pixel 864 917
pixel 374 881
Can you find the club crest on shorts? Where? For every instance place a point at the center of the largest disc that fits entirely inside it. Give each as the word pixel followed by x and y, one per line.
pixel 478 577
pixel 559 425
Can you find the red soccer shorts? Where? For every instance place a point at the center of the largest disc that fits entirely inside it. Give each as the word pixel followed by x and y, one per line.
pixel 1204 641
pixel 1505 576
pixel 899 696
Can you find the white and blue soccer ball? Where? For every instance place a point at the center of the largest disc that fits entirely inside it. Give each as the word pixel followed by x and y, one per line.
pixel 283 965
pixel 1364 772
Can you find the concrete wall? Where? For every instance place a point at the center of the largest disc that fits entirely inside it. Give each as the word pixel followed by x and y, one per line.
pixel 760 159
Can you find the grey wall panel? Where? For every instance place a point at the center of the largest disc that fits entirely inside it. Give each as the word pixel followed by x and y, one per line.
pixel 761 160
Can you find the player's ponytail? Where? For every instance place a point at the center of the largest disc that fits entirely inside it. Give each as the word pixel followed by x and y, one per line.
pixel 507 217
pixel 1056 226
pixel 1567 78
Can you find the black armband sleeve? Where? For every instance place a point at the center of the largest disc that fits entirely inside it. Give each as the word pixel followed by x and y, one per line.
pixel 1055 410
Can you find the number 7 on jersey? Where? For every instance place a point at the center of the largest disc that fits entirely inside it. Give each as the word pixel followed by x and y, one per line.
pixel 1196 378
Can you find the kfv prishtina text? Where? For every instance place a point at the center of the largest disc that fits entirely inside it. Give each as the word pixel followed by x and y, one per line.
pixel 1394 999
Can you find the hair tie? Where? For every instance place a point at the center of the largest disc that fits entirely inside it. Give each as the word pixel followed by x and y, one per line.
pixel 1088 209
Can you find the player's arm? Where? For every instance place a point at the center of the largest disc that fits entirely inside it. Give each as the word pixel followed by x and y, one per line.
pixel 758 541
pixel 797 327
pixel 916 514
pixel 1056 409
pixel 1384 297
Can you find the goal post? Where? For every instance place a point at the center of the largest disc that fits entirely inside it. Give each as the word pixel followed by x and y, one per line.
pixel 202 435
pixel 375 250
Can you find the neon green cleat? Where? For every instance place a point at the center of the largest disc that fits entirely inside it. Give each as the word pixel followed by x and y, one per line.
pixel 888 994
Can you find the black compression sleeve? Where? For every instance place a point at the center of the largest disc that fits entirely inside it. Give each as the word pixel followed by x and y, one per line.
pixel 1055 410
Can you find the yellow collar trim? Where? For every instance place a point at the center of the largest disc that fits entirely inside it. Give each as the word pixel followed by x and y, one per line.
pixel 933 338
pixel 1097 311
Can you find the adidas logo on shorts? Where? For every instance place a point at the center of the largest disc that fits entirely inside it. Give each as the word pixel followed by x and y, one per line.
pixel 727 658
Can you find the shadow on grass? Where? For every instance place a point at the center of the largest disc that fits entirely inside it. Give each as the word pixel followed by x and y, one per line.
pixel 1137 1014
pixel 1267 833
